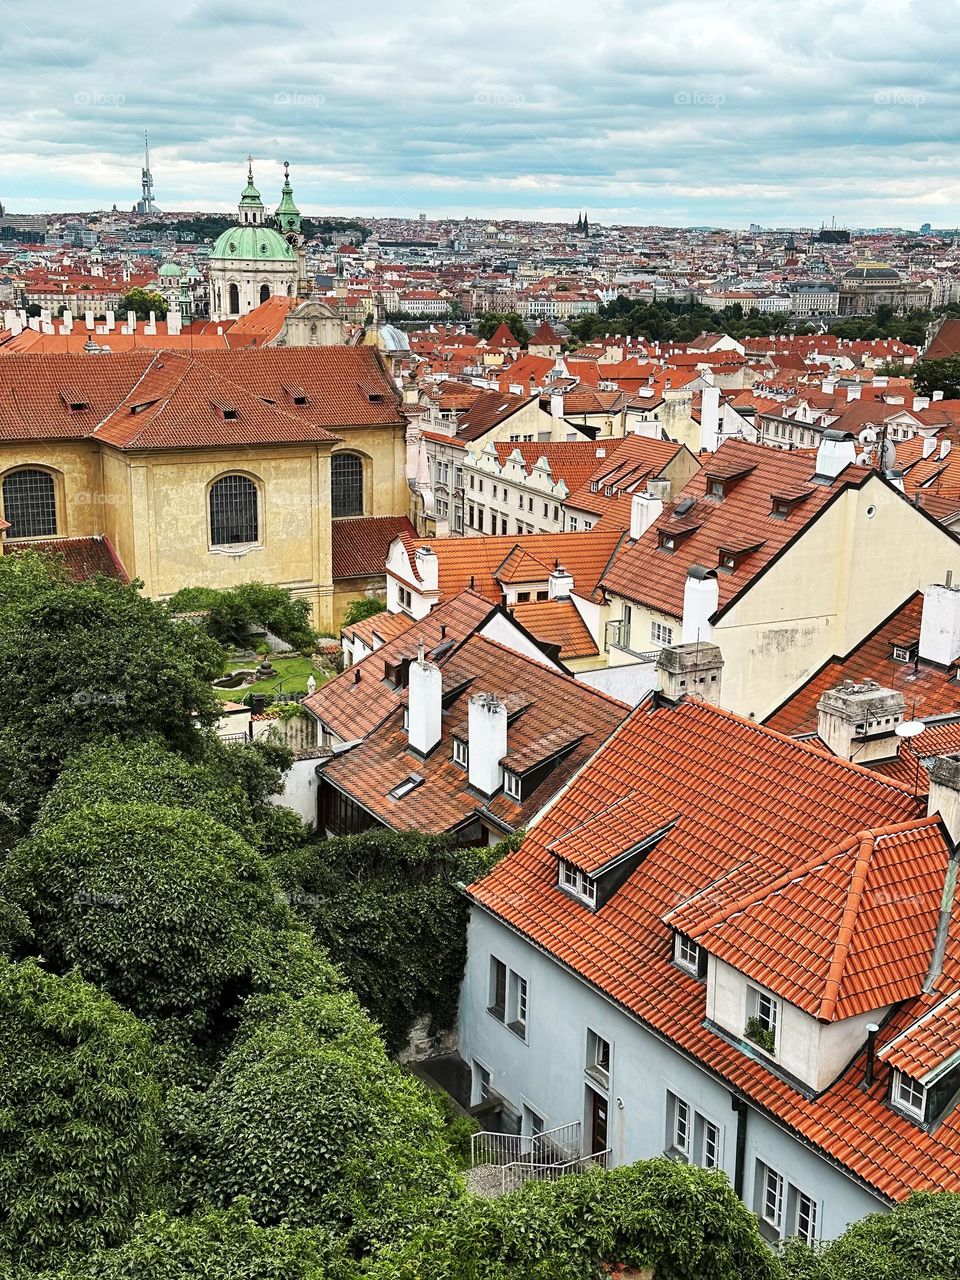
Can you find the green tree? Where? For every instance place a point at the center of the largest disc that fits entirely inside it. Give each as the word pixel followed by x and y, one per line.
pixel 938 375
pixel 165 909
pixel 917 1240
pixel 86 661
pixel 357 610
pixel 79 1147
pixel 309 1119
pixel 683 1222
pixel 386 907
pixel 142 302
pixel 215 1243
pixel 491 321
pixel 232 613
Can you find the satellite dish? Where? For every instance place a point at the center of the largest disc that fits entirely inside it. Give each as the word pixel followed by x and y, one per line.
pixel 889 455
pixel 868 435
pixel 909 728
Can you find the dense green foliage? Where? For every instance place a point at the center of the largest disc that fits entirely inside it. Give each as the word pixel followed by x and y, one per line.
pixel 232 612
pixel 141 302
pixel 310 1120
pixel 336 231
pixel 79 1149
pixel 685 1222
pixel 357 610
pixel 87 661
pixel 938 375
pixel 167 910
pixel 918 1240
pixel 385 905
pixel 491 321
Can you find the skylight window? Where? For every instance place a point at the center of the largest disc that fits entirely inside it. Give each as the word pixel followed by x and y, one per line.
pixel 404 788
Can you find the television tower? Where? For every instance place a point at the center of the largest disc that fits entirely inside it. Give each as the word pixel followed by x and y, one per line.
pixel 146 203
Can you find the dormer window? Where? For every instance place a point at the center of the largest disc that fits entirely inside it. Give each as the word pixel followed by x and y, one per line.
pixel 763 1017
pixel 716 489
pixel 689 956
pixel 512 785
pixel 905 652
pixel 909 1095
pixel 461 753
pixel 666 541
pixel 578 883
pixel 782 504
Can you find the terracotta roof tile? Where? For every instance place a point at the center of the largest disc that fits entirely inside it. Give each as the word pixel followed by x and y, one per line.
pixel 557 622
pixel 360 544
pixel 82 557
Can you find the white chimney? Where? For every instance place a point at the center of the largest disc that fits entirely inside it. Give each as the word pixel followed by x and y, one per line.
pixel 424 705
pixel 644 509
pixel 556 404
pixel 89 321
pixel 709 418
pixel 427 568
pixel 560 584
pixel 940 624
pixel 853 393
pixel 486 742
pixel 858 721
pixel 701 598
pixel 943 796
pixel 828 385
pixel 936 395
pixel 929 444
pixel 837 450
pixel 920 402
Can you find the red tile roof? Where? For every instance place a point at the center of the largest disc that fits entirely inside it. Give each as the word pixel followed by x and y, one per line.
pixel 82 557
pixel 932 1041
pixel 646 574
pixel 629 464
pixel 360 544
pixel 557 622
pixel 572 461
pixel 753 806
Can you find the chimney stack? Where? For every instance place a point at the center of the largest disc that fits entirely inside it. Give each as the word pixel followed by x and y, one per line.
pixel 929 444
pixel 858 722
pixel 645 508
pixel 427 568
pixel 710 418
pixel 486 742
pixel 685 670
pixel 701 597
pixel 940 624
pixel 944 794
pixel 836 452
pixel 560 584
pixel 424 705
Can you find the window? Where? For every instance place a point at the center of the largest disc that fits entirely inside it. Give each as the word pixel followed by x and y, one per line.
pixel 771 1198
pixel 29 504
pixel 667 542
pixel 691 1137
pixel 805 1219
pixel 481 1084
pixel 410 783
pixel 234 297
pixel 904 653
pixel 715 489
pixel 443 508
pixel 783 1209
pixel 763 1012
pixel 458 477
pixel 233 511
pixel 461 753
pixel 578 883
pixel 710 1145
pixel 405 597
pixel 511 785
pixel 909 1095
pixel 598 1057
pixel 573 524
pixel 517 1019
pixel 497 997
pixel 680 1127
pixel 346 485
pixel 686 954
pixel 660 633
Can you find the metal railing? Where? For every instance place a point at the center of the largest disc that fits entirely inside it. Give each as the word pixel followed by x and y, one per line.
pixel 521 1171
pixel 554 1146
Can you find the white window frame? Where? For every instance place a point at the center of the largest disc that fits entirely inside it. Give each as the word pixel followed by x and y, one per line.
pixel 804 1205
pixel 766 1009
pixel 710 1144
pixel 511 784
pixel 578 883
pixel 405 596
pixel 461 753
pixel 903 1083
pixel 681 1126
pixel 660 633
pixel 682 943
pixel 772 1197
pixel 518 1003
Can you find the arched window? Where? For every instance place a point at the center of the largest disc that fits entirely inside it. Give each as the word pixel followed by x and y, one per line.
pixel 234 300
pixel 30 504
pixel 264 292
pixel 346 485
pixel 233 511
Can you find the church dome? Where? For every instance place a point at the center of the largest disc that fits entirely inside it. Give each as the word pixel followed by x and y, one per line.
pixel 169 269
pixel 258 244
pixel 872 272
pixel 391 339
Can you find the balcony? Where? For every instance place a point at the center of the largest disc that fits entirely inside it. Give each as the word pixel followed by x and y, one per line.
pixel 617 636
pixel 501 1162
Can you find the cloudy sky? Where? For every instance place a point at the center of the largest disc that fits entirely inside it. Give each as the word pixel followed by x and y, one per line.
pixel 643 111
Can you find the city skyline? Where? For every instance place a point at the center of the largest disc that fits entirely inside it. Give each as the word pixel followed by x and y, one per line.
pixel 661 114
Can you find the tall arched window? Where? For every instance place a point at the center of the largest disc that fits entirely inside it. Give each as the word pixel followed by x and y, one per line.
pixel 233 511
pixel 346 485
pixel 30 504
pixel 264 292
pixel 234 300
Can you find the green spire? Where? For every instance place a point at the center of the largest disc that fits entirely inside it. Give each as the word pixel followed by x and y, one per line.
pixel 250 196
pixel 287 214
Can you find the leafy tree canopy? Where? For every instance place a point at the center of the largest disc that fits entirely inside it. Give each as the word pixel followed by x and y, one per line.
pixel 357 610
pixel 938 375
pixel 165 909
pixel 79 1149
pixel 684 1222
pixel 142 302
pixel 490 322
pixel 231 613
pixel 84 661
pixel 387 908
pixel 309 1119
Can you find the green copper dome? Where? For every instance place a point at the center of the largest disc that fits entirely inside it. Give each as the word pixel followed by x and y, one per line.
pixel 260 244
pixel 287 214
pixel 169 269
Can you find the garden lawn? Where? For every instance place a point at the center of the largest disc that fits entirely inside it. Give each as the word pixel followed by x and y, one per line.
pixel 291 677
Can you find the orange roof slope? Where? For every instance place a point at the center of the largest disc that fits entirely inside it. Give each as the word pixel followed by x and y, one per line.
pixel 932 1041
pixel 361 543
pixel 628 466
pixel 743 517
pixel 82 557
pixel 572 461
pixel 557 622
pixel 753 806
